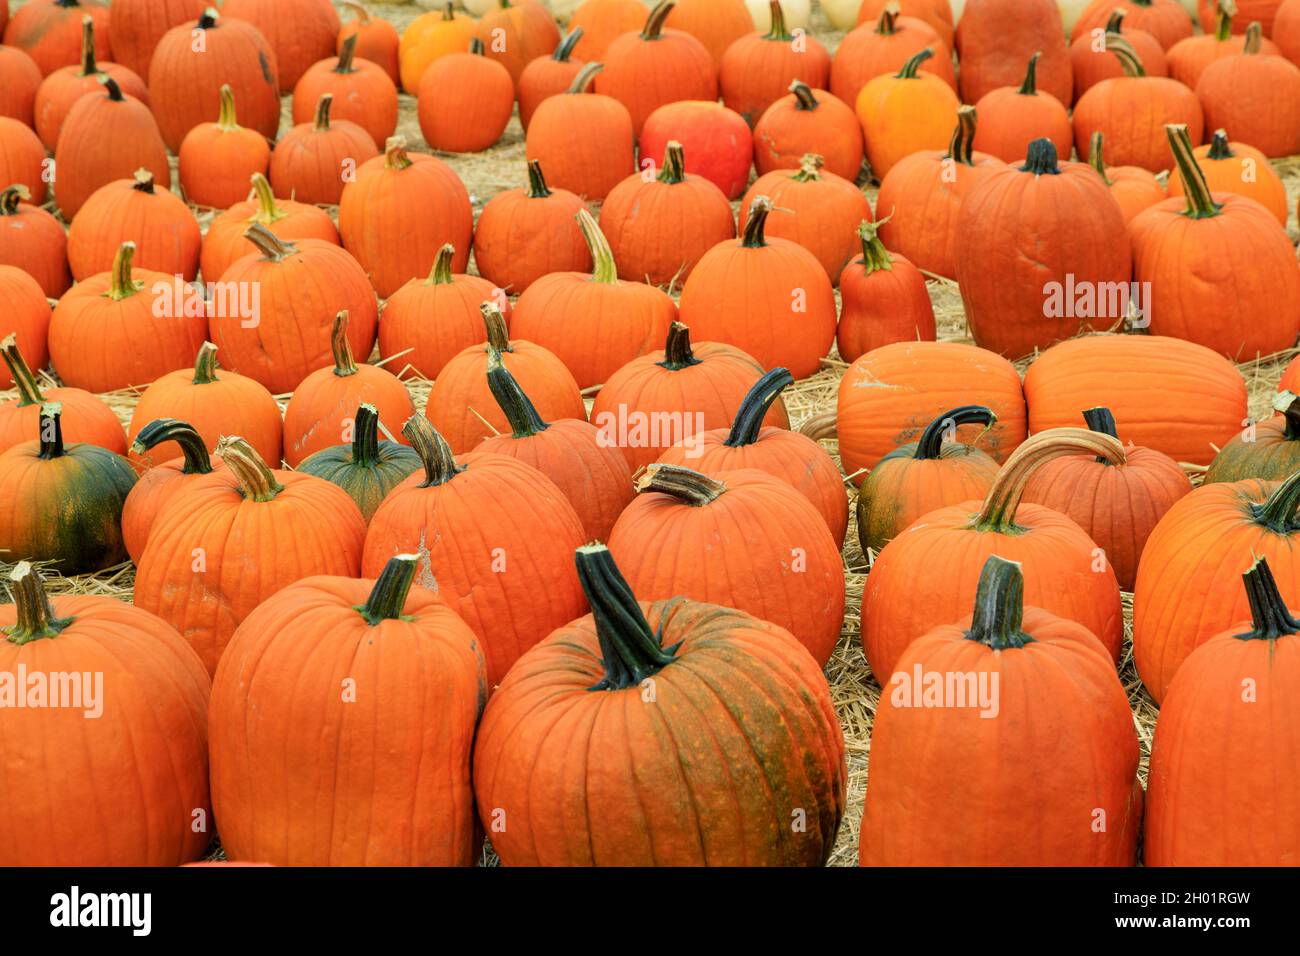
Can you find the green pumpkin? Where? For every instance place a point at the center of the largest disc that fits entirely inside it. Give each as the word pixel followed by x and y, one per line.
pixel 368 469
pixel 65 503
pixel 1269 451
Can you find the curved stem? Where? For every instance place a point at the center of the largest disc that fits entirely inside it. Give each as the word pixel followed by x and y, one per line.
pixel 110 84
pixel 1128 57
pixel 440 274
pixel 1220 148
pixel 875 257
pixel 776 30
pixel 226 118
pixel 1116 22
pixel 29 392
pixel 564 50
pixel 755 405
pixel 654 23
pixel 602 257
pixel 267 211
pixel 1288 403
pixel 1095 158
pixel 525 421
pixel 1254 39
pixel 256 480
pixel 1278 513
pixel 268 243
pixel 11 196
pixel 999 606
pixel 886 26
pixel 495 321
pixel 365 436
pixel 1223 20
pixel 961 148
pixel 388 596
pixel 35 617
pixel 347 55
pixel 1200 203
pixel 120 284
pixel 584 77
pixel 395 156
pixel 803 96
pixel 687 486
pixel 51 434
pixel 929 446
pixel 362 14
pixel 1030 86
pixel 205 365
pixel 88 65
pixel 322 120
pixel 439 463
pixel 753 237
pixel 629 650
pixel 341 348
pixel 677 349
pixel 810 166
pixel 197 461
pixel 674 169
pixel 537 188
pixel 1268 612
pixel 1041 160
pixel 908 72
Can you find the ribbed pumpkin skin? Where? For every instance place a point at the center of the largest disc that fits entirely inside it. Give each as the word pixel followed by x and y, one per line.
pixel 1256 97
pixel 756 527
pixel 50 31
pixel 1061 747
pixel 1265 11
pixel 756 70
pixel 1263 451
pixel 645 74
pixel 21 79
pixel 517 32
pixel 865 54
pixel 428 37
pixel 1174 396
pixel 1091 66
pixel 775 746
pixel 1189 57
pixel 138 26
pixel 300 32
pixel 363 94
pixel 380 780
pixel 823 213
pixel 901 116
pixel 151 742
pixel 1286 30
pixel 542 78
pixel 1132 112
pixel 1135 189
pixel 60 91
pixel 433 322
pixel 309 164
pixel 660 230
pixel 86 419
pixel 22 158
pixel 996 38
pixel 215 164
pixel 33 240
pixel 583 141
pixel 322 410
pixel 27 315
pixel 603 20
pixel 151 494
pixel 250 550
pixel 225 242
pixel 715 23
pixel 1166 20
pixel 367 486
pixel 377 42
pixel 717 143
pixel 1229 175
pixel 465 102
pixel 1011 120
pixel 519 238
pixel 462 550
pixel 888 396
pixel 165 232
pixel 881 307
pixel 785 132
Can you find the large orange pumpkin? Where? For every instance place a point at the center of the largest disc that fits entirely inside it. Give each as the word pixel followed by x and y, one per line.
pixel 62 88
pixel 465 102
pixel 291 221
pixel 1232 167
pixel 995 38
pixel 300 32
pixel 518 32
pixel 808 121
pixel 139 25
pixel 1256 95
pixel 883 299
pixel 164 231
pixel 757 69
pixel 217 160
pixel 548 76
pixel 603 21
pixel 363 93
pixel 377 40
pixel 1013 117
pixel 314 161
pixel 904 113
pixel 20 79
pixel 885 46
pixel 1225 36
pixel 22 159
pixel 157 486
pixel 33 240
pixel 50 30
pixel 88 418
pixel 1133 187
pixel 430 36
pixel 1092 62
pixel 715 23
pixel 27 317
pixel 584 139
pixel 1166 20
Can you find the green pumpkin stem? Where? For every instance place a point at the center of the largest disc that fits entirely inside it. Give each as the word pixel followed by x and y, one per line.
pixel 388 596
pixel 344 362
pixel 495 322
pixel 999 606
pixel 1220 148
pixel 1128 57
pixel 29 391
pixel 1101 421
pixel 88 65
pixel 1200 203
pixel 584 77
pixel 1288 403
pixel 687 486
pixel 35 615
pixel 477 48
pixel 347 55
pixel 11 196
pixel 564 50
pixel 193 448
pixel 205 365
pixel 51 434
pixel 777 31
pixel 365 436
pixel 270 245
pixel 395 156
pixel 1116 22
pixel 448 13
pixel 267 211
pixel 114 91
pixel 887 25
pixel 226 117
pixel 1278 512
pixel 525 421
pixel 630 651
pixel 674 168
pixel 1042 159
pixel 803 96
pixel 677 349
pixel 1030 86
pixel 1095 158
pixel 1223 20
pixel 322 120
pixel 256 480
pixel 120 284
pixel 208 19
pixel 755 405
pixel 439 463
pixel 440 274
pixel 929 446
pixel 753 237
pixel 909 70
pixel 603 268
pixel 654 24
pixel 1254 39
pixel 810 167
pixel 537 188
pixel 1269 614
pixel 961 148
pixel 875 257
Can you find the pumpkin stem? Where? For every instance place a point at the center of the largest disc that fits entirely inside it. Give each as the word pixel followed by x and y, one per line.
pixel 362 14
pixel 998 513
pixel 197 461
pixel 205 365
pixel 365 436
pixel 208 19
pixel 439 463
pixel 29 392
pixel 1095 159
pixel 1254 39
pixel 322 123
pixel 584 77
pixel 35 615
pixel 753 237
pixel 930 445
pixel 1279 511
pixel 961 148
pixel 476 47
pixel 344 362
pixel 1288 403
pixel 440 274
pixel 121 285
pixel 143 181
pixel 674 169
pixel 11 196
pixel 654 24
pixel 256 480
pixel 1200 203
pixel 629 651
pixel 908 72
pixel 525 421
pixel 777 30
pixel 114 91
pixel 1116 22
pixel 886 26
pixel 1220 148
pixel 999 606
pixel 226 115
pixel 388 596
pixel 602 257
pixel 1268 612
pixel 448 13
pixel 687 486
pixel 1128 57
pixel 88 65
pixel 875 257
pixel 537 188
pixel 1041 160
pixel 1030 86
pixel 754 407
pixel 565 48
pixel 1101 421
pixel 395 156
pixel 1223 20
pixel 803 96
pixel 51 436
pixel 267 211
pixel 810 165
pixel 347 55
pixel 497 336
pixel 268 243
pixel 677 349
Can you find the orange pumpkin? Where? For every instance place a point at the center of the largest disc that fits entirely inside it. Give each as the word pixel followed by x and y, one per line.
pixel 217 160
pixel 585 139
pixel 937 13
pixel 300 32
pixel 1092 62
pixel 1166 20
pixel 1256 95
pixel 756 69
pixel 548 76
pixel 1225 36
pixel 1231 167
pixel 808 121
pixel 291 221
pixel 34 241
pixel 50 31
pixel 996 37
pixel 466 100
pixel 377 39
pixel 138 25
pixel 22 159
pixel 1134 188
pixel 430 36
pixel 1265 11
pixel 885 46
pixel 518 32
pixel 1015 117
pixel 27 317
pixel 715 23
pixel 905 113
pixel 1286 30
pixel 363 93
pixel 87 418
pixel 157 486
pixel 164 231
pixel 314 161
pixel 883 299
pixel 62 88
pixel 20 79
pixel 602 21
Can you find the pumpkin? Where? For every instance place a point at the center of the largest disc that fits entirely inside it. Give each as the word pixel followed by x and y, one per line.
pixel 602 21
pixel 769 297
pixel 756 70
pixel 156 718
pixel 745 735
pixel 1256 95
pixel 291 221
pixel 1189 57
pixel 1015 304
pixel 388 784
pixel 218 549
pixel 548 76
pixel 717 24
pixel 165 232
pixel 399 211
pixel 932 567
pixel 217 160
pixel 889 395
pixel 590 471
pixel 466 100
pixel 717 140
pixel 905 113
pixel 1176 397
pixel 1252 305
pixel 808 121
pixel 377 40
pixel 193 61
pixel 213 404
pixel 883 299
pixel 885 46
pixel 676 395
pixel 1229 690
pixel 1092 62
pixel 27 318
pixel 1134 188
pixel 50 31
pixel 139 25
pixel 1290 380
pixel 594 322
pixel 645 70
pixel 430 36
pixel 782 562
pixel 816 209
pixel 584 139
pixel 1187 589
pixel 1166 20
pixel 1265 11
pixel 933 472
pixel 996 37
pixel 100 324
pixel 90 420
pixel 937 13
pixel 365 467
pixel 658 228
pixel 321 411
pixel 460 404
pixel 798 13
pixel 22 159
pixel 20 80
pixel 159 484
pixel 923 194
pixel 1064 793
pixel 32 240
pixel 788 455
pixel 517 32
pixel 1268 450
pixel 1231 167
pixel 314 161
pixel 494 538
pixel 1286 30
pixel 363 93
pixel 1132 112
pixel 523 234
pixel 300 32
pixel 105 137
pixel 64 503
pixel 62 88
pixel 1015 117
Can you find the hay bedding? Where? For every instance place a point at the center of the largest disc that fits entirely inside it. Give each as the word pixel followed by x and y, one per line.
pixel 811 404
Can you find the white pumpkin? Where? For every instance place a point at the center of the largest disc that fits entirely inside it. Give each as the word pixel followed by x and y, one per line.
pixel 797 13
pixel 1071 10
pixel 842 14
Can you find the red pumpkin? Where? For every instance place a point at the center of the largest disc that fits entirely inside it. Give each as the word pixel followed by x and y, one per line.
pixel 1092 62
pixel 377 40
pixel 718 141
pixel 1134 188
pixel 516 33
pixel 363 93
pixel 808 122
pixel 1225 36
pixel 548 76
pixel 22 159
pixel 20 78
pixel 164 231
pixel 883 299
pixel 300 32
pixel 139 25
pixel 157 486
pixel 996 37
pixel 50 31
pixel 885 46
pixel 715 23
pixel 1015 117
pixel 217 160
pixel 466 100
pixel 27 316
pixel 33 241
pixel 756 70
pixel 87 418
pixel 289 220
pixel 315 161
pixel 585 139
pixel 1166 20
pixel 1256 95
pixel 62 88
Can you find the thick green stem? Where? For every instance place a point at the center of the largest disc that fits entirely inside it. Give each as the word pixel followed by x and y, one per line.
pixel 208 19
pixel 1096 159
pixel 256 480
pixel 537 188
pixel 886 26
pixel 875 257
pixel 114 91
pixel 495 322
pixel 1128 58
pixel 120 284
pixel 1268 612
pixel 35 615
pixel 564 50
pixel 1254 39
pixel 753 237
pixel 961 148
pixel 322 120
pixel 88 65
pixel 1101 421
pixel 1116 22
pixel 267 211
pixel 205 365
pixel 51 434
pixel 687 486
pixel 930 445
pixel 440 274
pixel 29 392
pixel 11 196
pixel 1288 403
pixel 439 463
pixel 1223 20
pixel 909 70
pixel 755 405
pixel 602 257
pixel 344 363
pixel 1041 160
pixel 1030 86
pixel 674 169
pixel 629 650
pixel 193 448
pixel 677 349
pixel 999 606
pixel 347 55
pixel 803 96
pixel 1220 148
pixel 777 31
pixel 654 24
pixel 1200 203
pixel 365 436
pixel 525 421
pixel 584 77
pixel 388 596
pixel 477 48
pixel 226 117
pixel 1278 513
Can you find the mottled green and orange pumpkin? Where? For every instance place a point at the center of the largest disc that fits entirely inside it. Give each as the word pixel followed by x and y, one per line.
pixel 367 468
pixel 1268 450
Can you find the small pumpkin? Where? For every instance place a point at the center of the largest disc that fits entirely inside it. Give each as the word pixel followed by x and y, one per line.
pixel 517 32
pixel 26 317
pixel 217 160
pixel 300 32
pixel 808 121
pixel 548 76
pixel 65 502
pixel 995 37
pixel 1224 36
pixel 22 159
pixel 20 79
pixel 937 13
pixel 313 162
pixel 49 31
pixel 602 21
pixel 1092 62
pixel 164 231
pixel 756 69
pixel 90 420
pixel 1268 450
pixel 885 46
pixel 883 299
pixel 365 467
pixel 377 40
pixel 717 140
pixel 1015 117
pixel 716 23
pixel 33 240
pixel 160 483
pixel 933 472
pixel 62 88
pixel 139 25
pixel 321 411
pixel 289 220
pixel 430 36
pixel 1134 188
pixel 1256 95
pixel 1231 167
pixel 1166 20
pixel 466 100
pixel 903 113
pixel 584 139
pixel 363 92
